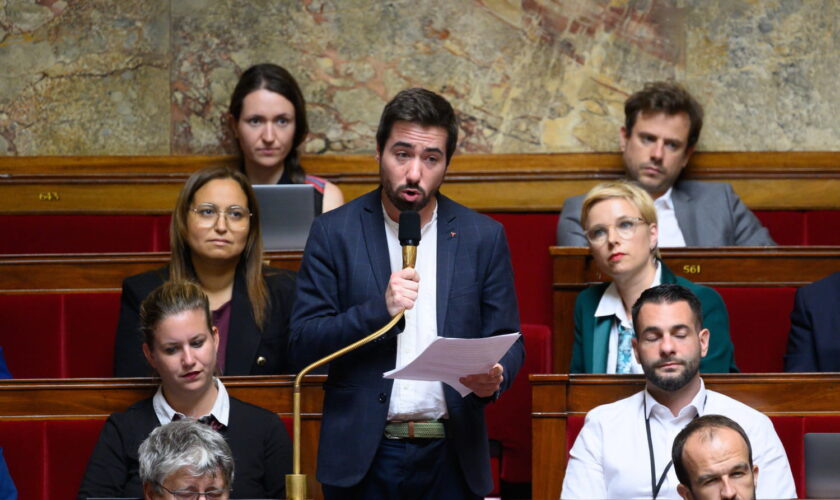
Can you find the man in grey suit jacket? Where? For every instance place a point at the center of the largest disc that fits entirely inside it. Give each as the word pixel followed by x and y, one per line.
pixel 662 126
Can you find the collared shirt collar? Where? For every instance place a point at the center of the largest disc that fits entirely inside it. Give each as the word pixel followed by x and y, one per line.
pixel 697 405
pixel 665 200
pixel 220 410
pixel 611 304
pixel 395 226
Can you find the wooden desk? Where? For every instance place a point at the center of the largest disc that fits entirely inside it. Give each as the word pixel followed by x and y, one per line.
pixel 56 273
pixel 809 180
pixel 574 270
pixel 67 399
pixel 556 397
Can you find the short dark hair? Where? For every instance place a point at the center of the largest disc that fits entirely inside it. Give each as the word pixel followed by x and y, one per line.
pixel 707 423
pixel 422 107
pixel 668 293
pixel 666 97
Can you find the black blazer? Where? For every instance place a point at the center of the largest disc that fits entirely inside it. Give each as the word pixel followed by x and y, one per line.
pixel 262 452
pixel 245 344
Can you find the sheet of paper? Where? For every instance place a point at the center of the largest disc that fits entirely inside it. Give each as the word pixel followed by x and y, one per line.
pixel 447 360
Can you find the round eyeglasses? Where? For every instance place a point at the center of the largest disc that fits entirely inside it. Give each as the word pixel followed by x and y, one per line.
pixel 208 215
pixel 625 227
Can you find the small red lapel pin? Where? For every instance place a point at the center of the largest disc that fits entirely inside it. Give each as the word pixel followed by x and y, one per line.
pixel 452 234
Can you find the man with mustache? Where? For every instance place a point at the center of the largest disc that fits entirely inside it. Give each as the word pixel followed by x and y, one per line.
pixel 662 126
pixel 624 448
pixel 385 439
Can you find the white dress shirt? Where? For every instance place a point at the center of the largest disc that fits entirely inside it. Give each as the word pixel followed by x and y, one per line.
pixel 220 410
pixel 417 399
pixel 670 234
pixel 612 305
pixel 610 457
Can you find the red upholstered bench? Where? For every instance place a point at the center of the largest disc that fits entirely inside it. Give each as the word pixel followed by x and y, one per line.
pixel 509 419
pixel 759 321
pixel 529 235
pixel 796 227
pixel 47 458
pixel 84 233
pixel 59 335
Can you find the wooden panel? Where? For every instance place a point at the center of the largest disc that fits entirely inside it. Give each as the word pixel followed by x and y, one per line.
pixel 55 399
pixel 556 397
pixel 93 272
pixel 503 182
pixel 574 270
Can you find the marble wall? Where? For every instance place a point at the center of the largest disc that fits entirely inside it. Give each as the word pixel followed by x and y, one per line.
pixel 152 77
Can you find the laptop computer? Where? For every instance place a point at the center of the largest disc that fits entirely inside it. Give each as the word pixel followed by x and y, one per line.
pixel 822 465
pixel 286 213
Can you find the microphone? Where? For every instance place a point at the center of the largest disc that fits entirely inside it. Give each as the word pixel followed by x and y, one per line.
pixel 409 236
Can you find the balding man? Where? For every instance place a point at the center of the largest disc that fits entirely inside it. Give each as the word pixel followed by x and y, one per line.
pixel 713 460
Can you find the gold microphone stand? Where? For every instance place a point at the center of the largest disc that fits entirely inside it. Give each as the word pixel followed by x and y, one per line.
pixel 296 482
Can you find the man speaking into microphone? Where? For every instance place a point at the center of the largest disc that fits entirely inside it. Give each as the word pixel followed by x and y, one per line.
pixel 386 439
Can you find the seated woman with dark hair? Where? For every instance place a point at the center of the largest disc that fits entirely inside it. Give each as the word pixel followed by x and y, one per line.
pixel 180 343
pixel 267 115
pixel 216 242
pixel 619 222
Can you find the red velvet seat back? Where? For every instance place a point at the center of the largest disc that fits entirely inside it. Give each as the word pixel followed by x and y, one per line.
pixel 759 321
pixel 69 445
pixel 59 335
pixel 84 233
pixel 822 227
pixel 509 418
pixel 32 335
pixel 90 323
pixel 529 235
pixel 24 448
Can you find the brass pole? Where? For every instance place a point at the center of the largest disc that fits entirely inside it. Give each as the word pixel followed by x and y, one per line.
pixel 296 482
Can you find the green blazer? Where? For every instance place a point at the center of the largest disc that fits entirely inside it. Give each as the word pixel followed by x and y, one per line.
pixel 589 353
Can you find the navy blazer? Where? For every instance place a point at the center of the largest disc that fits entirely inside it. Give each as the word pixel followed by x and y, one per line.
pixel 245 343
pixel 341 298
pixel 814 338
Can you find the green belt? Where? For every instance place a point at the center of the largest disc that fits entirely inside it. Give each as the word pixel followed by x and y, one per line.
pixel 430 429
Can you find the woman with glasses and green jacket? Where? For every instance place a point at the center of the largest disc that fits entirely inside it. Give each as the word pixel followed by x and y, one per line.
pixel 215 242
pixel 619 222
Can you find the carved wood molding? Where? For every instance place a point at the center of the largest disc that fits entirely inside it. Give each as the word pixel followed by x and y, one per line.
pixel 503 182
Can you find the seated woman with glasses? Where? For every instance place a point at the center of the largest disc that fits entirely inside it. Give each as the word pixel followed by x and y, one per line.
pixel 185 460
pixel 215 240
pixel 619 221
pixel 180 343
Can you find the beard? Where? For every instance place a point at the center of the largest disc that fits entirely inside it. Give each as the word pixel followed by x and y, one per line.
pixel 672 382
pixel 402 205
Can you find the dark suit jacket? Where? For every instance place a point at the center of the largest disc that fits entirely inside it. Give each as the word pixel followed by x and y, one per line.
pixel 262 452
pixel 814 338
pixel 709 214
pixel 591 346
pixel 341 299
pixel 245 342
